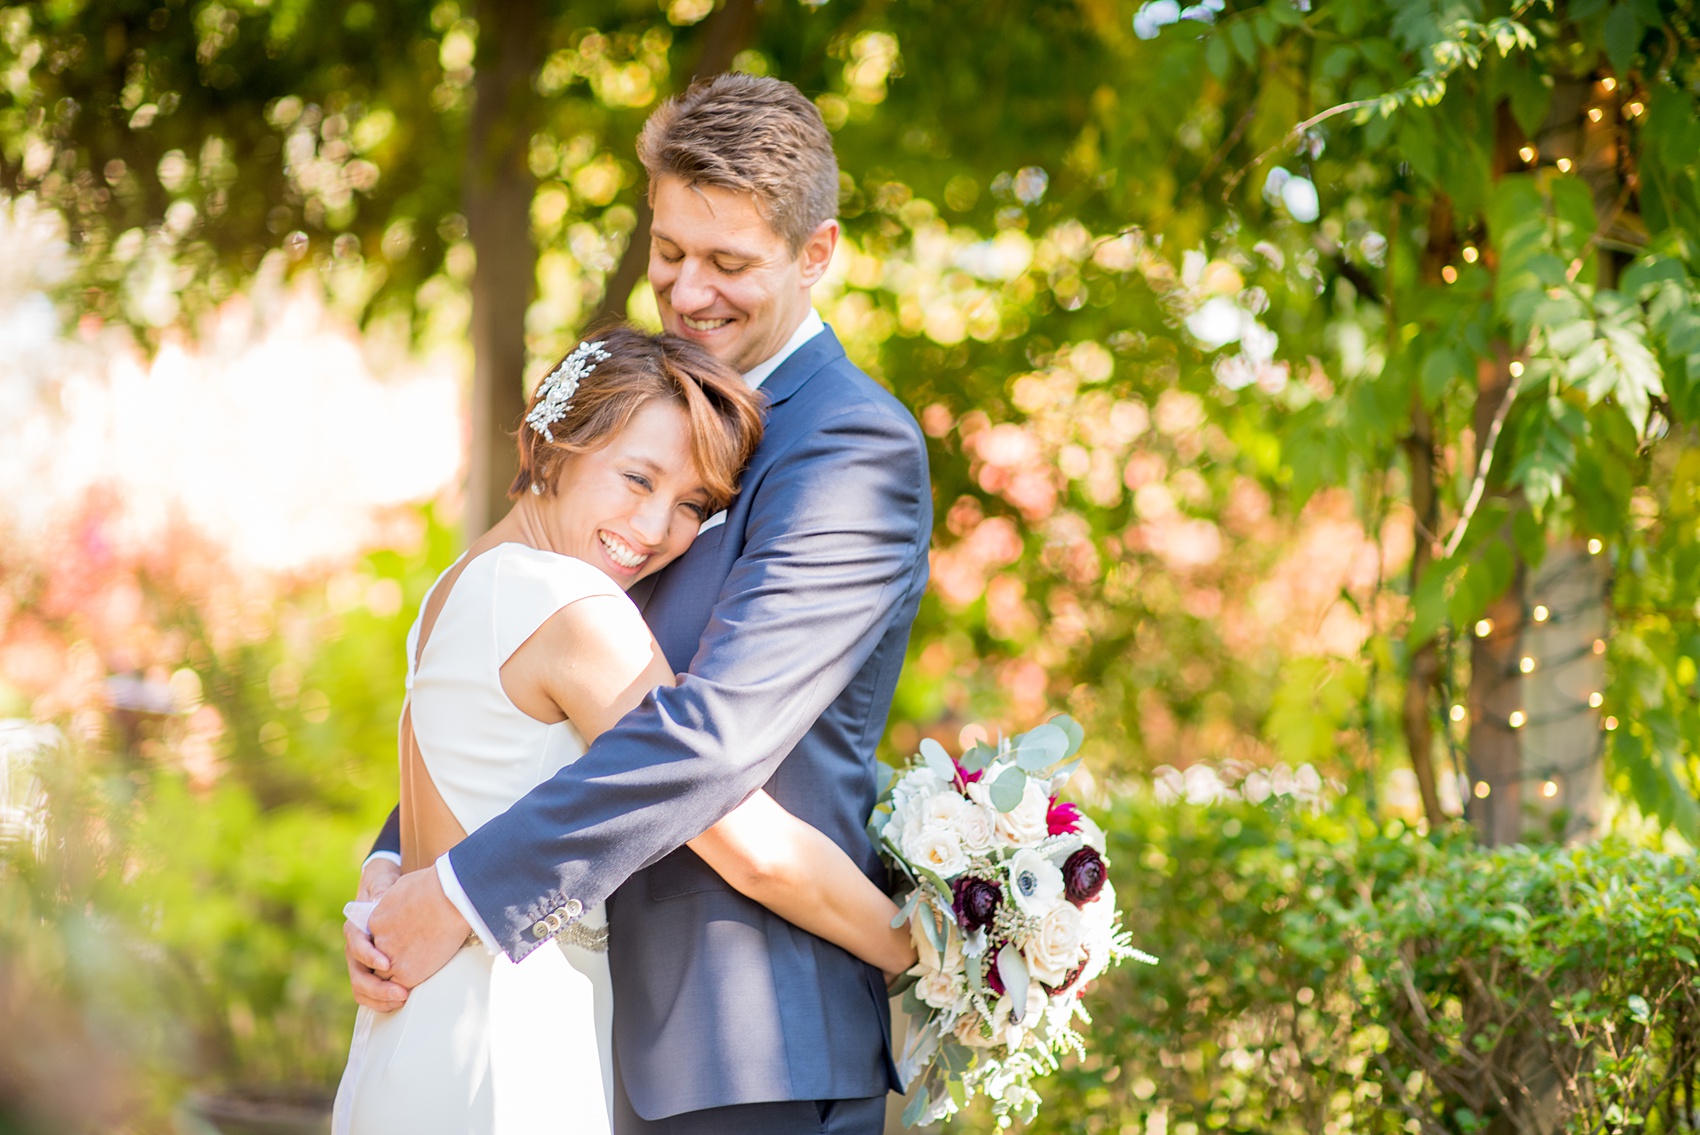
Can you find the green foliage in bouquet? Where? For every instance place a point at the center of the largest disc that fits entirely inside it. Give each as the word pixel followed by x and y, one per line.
pixel 1323 973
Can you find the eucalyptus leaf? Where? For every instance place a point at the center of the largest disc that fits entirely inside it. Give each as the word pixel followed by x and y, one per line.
pixel 907 909
pixel 1041 747
pixel 1008 789
pixel 1073 730
pixel 937 759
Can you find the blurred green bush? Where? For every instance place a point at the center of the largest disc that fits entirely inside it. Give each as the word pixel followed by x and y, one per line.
pixel 186 914
pixel 1322 973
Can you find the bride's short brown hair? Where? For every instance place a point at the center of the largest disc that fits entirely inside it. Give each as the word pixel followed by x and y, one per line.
pixel 725 414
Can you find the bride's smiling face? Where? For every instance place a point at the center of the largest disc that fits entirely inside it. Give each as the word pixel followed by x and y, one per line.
pixel 633 506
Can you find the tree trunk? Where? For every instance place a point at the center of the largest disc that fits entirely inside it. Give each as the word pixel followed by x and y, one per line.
pixel 1420 683
pixel 498 190
pixel 726 33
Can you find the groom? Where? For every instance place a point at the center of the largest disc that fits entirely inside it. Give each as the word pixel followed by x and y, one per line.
pixel 789 616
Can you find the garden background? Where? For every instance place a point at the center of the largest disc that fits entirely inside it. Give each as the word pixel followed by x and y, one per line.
pixel 1312 391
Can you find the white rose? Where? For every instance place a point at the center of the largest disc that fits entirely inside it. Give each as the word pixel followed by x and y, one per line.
pixel 935 848
pixel 968 1032
pixel 943 809
pixel 1056 948
pixel 977 827
pixel 1026 823
pixel 1036 882
pixel 940 990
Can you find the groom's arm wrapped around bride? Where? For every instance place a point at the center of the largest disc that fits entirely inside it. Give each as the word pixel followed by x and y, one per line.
pixel 790 622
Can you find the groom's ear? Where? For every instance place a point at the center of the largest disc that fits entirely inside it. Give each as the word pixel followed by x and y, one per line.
pixel 817 251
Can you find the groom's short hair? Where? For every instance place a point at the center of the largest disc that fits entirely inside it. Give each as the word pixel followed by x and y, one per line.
pixel 750 134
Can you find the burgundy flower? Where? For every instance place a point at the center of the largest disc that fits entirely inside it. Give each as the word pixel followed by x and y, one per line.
pixel 1062 819
pixel 1083 876
pixel 976 902
pixel 963 776
pixel 994 979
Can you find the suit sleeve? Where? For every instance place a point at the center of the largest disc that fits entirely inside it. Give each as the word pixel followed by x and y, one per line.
pixel 389 836
pixel 837 540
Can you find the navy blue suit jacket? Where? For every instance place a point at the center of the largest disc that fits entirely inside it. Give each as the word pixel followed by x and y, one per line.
pixel 791 621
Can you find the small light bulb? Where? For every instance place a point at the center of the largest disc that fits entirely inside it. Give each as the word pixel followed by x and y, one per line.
pixel 1634 109
pixel 1599 646
pixel 1549 789
pixel 1516 369
pixel 1563 165
pixel 1611 723
pixel 1527 665
pixel 1609 83
pixel 1541 613
pixel 1517 719
pixel 1595 547
pixel 1470 254
pixel 1458 712
pixel 1484 627
pixel 1449 274
pixel 1482 790
pixel 1595 114
pixel 1527 153
pixel 1596 700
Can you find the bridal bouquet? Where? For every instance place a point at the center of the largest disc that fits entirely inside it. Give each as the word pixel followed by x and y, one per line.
pixel 1012 915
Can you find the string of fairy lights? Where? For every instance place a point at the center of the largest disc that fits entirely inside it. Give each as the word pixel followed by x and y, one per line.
pixel 1551 773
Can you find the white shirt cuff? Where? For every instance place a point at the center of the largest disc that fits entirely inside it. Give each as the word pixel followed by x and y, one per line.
pixel 387 856
pixel 457 896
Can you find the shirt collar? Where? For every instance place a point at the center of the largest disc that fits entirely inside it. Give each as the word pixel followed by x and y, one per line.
pixel 808 329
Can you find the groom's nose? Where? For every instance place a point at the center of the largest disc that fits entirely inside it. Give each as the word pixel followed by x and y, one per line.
pixel 693 288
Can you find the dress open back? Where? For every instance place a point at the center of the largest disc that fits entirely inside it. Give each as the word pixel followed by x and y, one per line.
pixel 486 1046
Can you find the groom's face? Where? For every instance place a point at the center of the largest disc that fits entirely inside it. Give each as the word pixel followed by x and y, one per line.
pixel 724 278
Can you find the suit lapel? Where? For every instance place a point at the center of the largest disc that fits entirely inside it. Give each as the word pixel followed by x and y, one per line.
pixel 805 362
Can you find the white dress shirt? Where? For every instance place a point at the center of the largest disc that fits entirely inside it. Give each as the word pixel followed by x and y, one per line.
pixel 811 326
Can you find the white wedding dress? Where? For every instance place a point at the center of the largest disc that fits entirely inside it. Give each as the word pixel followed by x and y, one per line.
pixel 487 1046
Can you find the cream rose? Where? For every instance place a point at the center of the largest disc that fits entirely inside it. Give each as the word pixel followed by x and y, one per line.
pixel 1026 823
pixel 1056 948
pixel 977 827
pixel 935 848
pixel 940 990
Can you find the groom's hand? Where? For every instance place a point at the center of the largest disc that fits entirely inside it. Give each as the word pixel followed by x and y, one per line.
pixel 361 955
pixel 417 928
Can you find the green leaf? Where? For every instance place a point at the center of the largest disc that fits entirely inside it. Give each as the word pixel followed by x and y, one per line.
pixel 1428 605
pixel 1622 35
pixel 1041 747
pixel 1216 57
pixel 937 759
pixel 1008 789
pixel 1071 727
pixel 1440 367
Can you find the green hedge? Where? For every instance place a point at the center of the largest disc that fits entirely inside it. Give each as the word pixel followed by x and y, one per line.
pixel 1322 974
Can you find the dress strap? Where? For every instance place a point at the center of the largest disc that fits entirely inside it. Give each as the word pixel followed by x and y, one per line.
pixel 531 585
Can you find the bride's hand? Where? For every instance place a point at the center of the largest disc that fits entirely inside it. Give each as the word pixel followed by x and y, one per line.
pixel 377 877
pixel 365 961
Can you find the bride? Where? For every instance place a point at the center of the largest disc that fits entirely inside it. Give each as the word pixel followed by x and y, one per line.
pixel 525 650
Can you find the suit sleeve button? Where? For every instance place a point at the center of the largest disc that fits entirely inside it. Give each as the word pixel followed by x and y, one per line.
pixel 574 908
pixel 540 930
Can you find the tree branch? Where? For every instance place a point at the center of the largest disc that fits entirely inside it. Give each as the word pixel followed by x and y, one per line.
pixel 1479 487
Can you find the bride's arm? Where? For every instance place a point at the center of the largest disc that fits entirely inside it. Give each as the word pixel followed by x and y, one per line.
pixel 592 663
pixel 791 868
